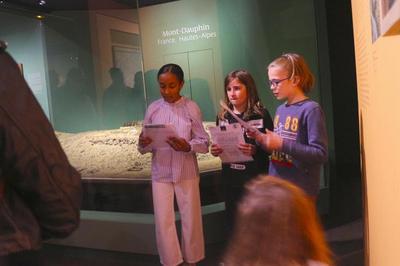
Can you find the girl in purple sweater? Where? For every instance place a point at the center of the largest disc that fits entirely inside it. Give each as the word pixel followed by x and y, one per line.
pixel 299 141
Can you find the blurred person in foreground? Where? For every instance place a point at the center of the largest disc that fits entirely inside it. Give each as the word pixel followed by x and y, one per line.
pixel 40 192
pixel 277 225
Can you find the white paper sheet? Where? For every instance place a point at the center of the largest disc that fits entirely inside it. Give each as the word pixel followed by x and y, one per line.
pixel 228 137
pixel 159 133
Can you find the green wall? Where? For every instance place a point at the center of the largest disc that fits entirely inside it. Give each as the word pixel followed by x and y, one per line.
pixel 26 44
pixel 242 34
pixel 257 31
pixel 186 33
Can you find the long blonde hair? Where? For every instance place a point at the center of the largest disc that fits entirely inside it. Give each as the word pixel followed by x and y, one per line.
pixel 277 225
pixel 295 65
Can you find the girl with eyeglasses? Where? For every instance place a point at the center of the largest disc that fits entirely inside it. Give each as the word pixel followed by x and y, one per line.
pixel 299 141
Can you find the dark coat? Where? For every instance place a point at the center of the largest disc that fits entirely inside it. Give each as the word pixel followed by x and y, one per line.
pixel 40 192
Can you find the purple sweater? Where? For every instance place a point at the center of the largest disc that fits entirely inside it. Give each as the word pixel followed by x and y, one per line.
pixel 305 141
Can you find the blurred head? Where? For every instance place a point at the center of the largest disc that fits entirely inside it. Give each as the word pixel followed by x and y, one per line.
pixel 241 92
pixel 170 79
pixel 288 73
pixel 116 74
pixel 3 45
pixel 10 74
pixel 75 78
pixel 277 224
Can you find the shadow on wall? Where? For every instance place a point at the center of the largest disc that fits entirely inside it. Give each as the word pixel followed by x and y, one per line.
pixel 152 88
pixel 201 95
pixel 122 104
pixel 116 100
pixel 73 110
pixel 137 104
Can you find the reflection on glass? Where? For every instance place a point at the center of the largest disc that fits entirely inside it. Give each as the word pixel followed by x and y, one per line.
pixel 73 109
pixel 116 100
pixel 93 69
pixel 103 45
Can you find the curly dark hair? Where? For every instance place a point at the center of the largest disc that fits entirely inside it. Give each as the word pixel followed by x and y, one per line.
pixel 172 68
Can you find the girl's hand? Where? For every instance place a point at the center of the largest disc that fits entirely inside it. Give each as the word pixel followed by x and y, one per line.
pixel 274 141
pixel 179 144
pixel 247 148
pixel 144 141
pixel 258 136
pixel 270 141
pixel 216 150
pixel 253 133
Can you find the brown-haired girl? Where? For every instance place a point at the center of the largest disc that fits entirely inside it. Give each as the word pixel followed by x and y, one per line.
pixel 242 98
pixel 277 225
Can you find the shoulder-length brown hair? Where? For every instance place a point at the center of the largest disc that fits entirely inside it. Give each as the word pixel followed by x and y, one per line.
pixel 254 105
pixel 277 224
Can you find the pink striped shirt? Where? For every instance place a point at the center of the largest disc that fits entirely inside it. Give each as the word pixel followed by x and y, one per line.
pixel 169 165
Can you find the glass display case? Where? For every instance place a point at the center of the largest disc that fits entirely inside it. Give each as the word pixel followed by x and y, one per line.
pixel 92 66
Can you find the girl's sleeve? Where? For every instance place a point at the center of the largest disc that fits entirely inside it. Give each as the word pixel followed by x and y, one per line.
pixel 146 120
pixel 200 139
pixel 316 151
pixel 268 124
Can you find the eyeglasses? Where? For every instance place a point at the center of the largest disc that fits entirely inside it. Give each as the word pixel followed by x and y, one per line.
pixel 275 82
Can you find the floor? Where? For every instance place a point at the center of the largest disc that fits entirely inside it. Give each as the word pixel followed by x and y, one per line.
pixel 346 242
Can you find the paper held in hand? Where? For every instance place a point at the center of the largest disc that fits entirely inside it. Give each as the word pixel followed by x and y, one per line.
pixel 159 133
pixel 244 124
pixel 228 137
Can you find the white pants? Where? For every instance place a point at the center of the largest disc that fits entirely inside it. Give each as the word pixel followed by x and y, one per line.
pixel 188 198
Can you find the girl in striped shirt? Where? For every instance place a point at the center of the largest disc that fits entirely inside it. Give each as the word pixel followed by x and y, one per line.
pixel 175 170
